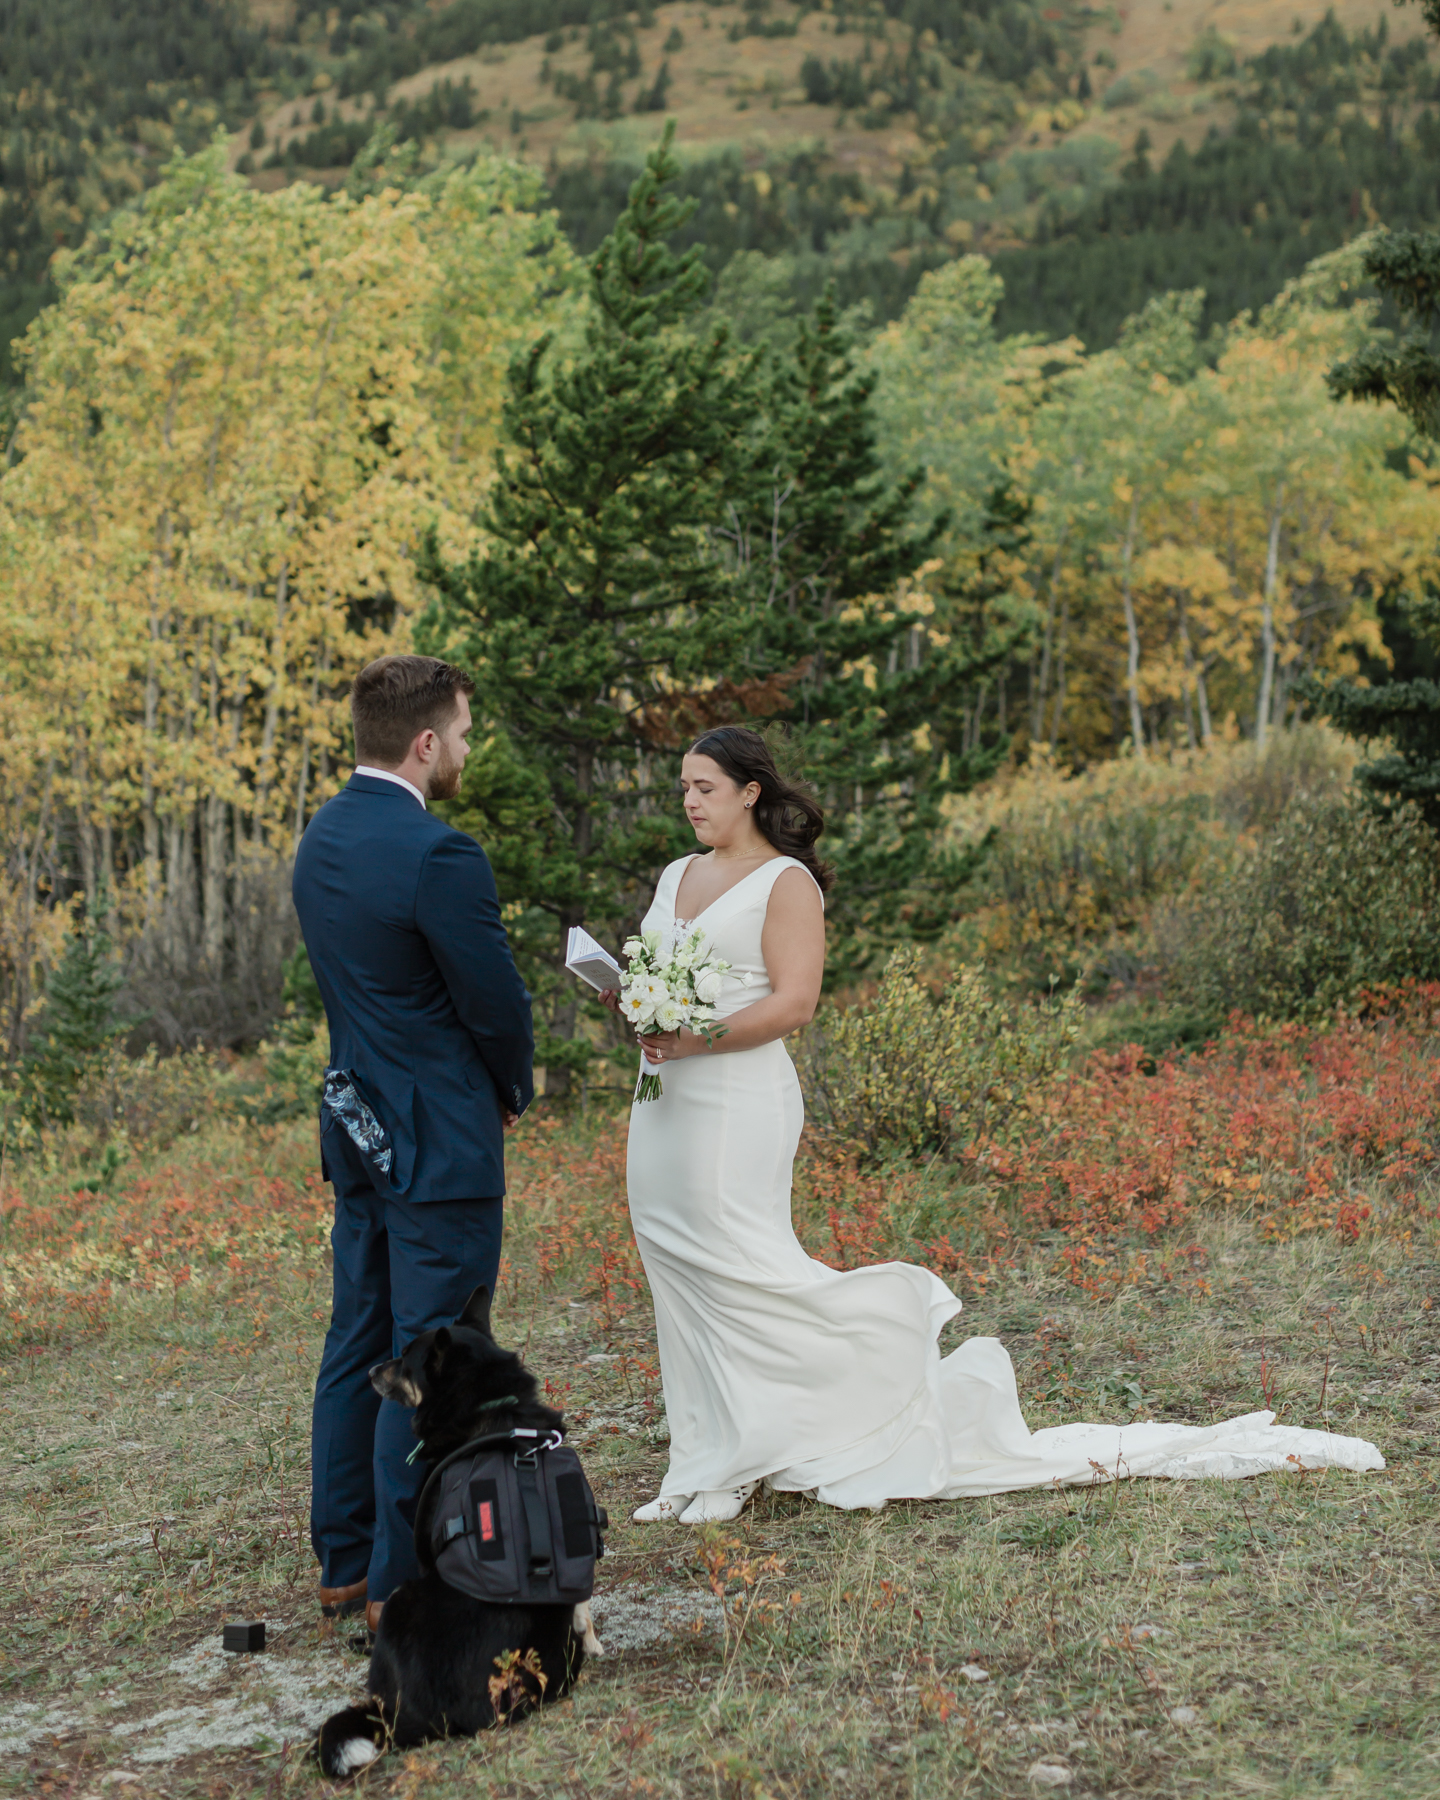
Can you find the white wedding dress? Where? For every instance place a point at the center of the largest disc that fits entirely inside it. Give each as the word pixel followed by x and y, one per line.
pixel 779 1369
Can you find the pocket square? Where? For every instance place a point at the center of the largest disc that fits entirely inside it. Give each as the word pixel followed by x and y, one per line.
pixel 357 1119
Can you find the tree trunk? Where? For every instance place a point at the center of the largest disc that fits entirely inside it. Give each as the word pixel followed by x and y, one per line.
pixel 107 871
pixel 566 1008
pixel 213 840
pixel 213 900
pixel 84 824
pixel 1267 622
pixel 1057 711
pixel 1189 657
pixel 272 706
pixel 1037 720
pixel 1132 636
pixel 147 788
pixel 1202 700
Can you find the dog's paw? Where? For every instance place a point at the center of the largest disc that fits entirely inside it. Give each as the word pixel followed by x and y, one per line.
pixel 584 1628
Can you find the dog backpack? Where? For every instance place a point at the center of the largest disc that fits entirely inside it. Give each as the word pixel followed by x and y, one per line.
pixel 511 1519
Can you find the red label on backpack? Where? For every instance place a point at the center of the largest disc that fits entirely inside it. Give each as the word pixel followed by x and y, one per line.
pixel 487 1522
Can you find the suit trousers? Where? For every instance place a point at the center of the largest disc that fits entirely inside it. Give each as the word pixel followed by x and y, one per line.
pixel 399 1270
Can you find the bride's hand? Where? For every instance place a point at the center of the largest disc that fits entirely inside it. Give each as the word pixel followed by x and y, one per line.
pixel 669 1046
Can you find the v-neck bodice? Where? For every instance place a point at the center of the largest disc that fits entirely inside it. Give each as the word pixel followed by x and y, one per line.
pixel 733 924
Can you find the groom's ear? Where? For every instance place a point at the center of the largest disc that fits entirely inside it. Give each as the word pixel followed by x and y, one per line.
pixel 477 1311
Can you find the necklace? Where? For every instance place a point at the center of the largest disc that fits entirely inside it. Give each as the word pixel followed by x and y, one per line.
pixel 736 856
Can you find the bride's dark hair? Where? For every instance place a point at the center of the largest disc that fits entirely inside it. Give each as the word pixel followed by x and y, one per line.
pixel 788 817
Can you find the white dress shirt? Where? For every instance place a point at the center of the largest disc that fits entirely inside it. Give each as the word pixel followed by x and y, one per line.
pixel 390 775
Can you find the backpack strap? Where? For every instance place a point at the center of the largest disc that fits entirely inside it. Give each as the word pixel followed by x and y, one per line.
pixel 537 1513
pixel 428 1492
pixel 456 1527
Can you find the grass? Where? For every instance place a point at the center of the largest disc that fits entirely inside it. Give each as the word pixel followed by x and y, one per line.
pixel 750 92
pixel 1275 1637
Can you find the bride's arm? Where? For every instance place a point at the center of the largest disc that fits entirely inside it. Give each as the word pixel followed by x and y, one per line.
pixel 793 945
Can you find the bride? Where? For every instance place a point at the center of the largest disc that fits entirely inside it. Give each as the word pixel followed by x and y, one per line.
pixel 775 1367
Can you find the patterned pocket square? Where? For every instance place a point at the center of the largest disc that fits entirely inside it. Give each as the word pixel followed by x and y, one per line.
pixel 348 1105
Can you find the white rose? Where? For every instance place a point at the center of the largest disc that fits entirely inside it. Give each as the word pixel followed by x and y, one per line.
pixel 668 1016
pixel 707 987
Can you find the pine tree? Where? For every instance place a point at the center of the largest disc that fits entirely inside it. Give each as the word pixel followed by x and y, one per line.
pixel 1405 266
pixel 600 593
pixel 77 1024
pixel 865 685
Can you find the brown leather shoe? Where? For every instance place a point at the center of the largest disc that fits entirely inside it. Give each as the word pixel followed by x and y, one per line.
pixel 341 1602
pixel 372 1615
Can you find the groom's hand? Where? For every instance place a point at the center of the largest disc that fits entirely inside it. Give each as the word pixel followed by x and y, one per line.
pixel 511 1119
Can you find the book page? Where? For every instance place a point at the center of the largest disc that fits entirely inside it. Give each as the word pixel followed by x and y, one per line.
pixel 592 962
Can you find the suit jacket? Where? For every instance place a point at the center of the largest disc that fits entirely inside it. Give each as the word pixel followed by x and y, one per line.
pixel 425 1004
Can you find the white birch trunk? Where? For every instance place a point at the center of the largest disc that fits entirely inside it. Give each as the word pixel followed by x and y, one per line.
pixel 1132 636
pixel 1267 622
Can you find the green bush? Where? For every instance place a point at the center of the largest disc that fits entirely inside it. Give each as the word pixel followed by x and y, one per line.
pixel 1130 89
pixel 1211 57
pixel 296 1055
pixel 1077 866
pixel 921 1073
pixel 1334 898
pixel 78 1024
pixel 150 1100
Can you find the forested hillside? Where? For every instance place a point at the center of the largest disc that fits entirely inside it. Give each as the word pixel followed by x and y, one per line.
pixel 94 94
pixel 1331 133
pixel 1096 162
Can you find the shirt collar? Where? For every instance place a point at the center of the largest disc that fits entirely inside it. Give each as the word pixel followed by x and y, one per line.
pixel 390 775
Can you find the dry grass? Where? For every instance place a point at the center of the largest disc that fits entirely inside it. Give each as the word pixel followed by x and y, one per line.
pixel 749 93
pixel 155 1436
pixel 746 93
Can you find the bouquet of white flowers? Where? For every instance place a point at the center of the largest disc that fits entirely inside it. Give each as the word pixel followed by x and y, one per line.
pixel 672 981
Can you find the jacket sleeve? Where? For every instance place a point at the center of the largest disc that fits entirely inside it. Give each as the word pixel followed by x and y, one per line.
pixel 458 911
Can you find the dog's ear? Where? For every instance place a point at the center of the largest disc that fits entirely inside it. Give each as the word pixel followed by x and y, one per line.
pixel 440 1347
pixel 477 1311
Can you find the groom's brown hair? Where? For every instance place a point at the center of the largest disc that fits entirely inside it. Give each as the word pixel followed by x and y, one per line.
pixel 395 698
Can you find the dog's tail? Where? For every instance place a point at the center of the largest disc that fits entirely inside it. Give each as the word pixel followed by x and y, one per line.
pixel 349 1740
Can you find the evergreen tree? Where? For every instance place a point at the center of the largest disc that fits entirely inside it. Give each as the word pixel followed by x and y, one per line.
pixel 77 1024
pixel 823 543
pixel 679 538
pixel 599 594
pixel 1405 266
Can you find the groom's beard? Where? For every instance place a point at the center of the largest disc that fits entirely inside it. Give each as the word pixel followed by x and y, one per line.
pixel 445 782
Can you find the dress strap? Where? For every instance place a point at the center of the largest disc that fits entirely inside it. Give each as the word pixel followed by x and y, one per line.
pixel 674 874
pixel 777 868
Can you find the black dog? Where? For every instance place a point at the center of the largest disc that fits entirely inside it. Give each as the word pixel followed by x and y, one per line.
pixel 445 1664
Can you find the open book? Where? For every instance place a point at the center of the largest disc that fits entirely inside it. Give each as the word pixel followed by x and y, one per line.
pixel 590 961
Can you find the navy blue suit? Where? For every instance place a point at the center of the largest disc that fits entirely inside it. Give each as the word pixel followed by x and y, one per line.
pixel 428 1013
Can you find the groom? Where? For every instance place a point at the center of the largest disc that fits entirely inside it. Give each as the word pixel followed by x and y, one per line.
pixel 430 1054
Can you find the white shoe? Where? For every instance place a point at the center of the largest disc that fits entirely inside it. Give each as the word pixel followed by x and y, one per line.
pixel 668 1507
pixel 717 1505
